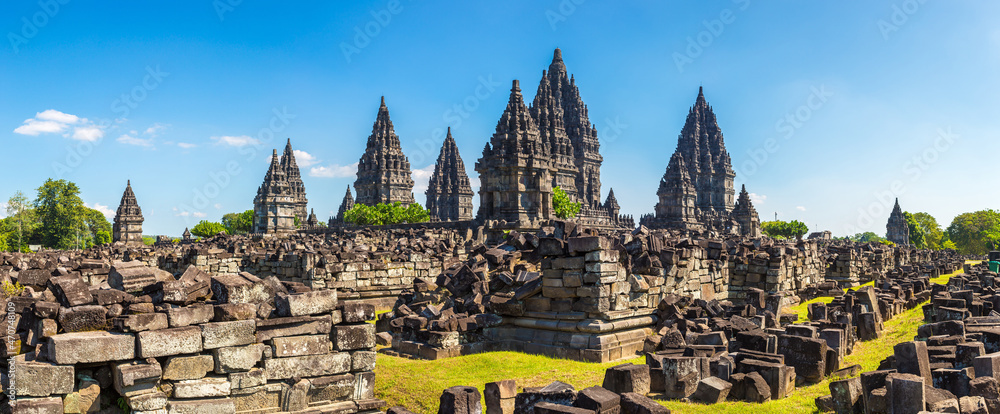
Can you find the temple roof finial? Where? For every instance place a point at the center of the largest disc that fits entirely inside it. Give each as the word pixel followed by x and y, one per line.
pixel 557 55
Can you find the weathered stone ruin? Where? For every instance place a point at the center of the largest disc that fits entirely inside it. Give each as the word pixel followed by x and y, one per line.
pixel 696 192
pixel 345 205
pixel 896 229
pixel 449 194
pixel 383 171
pixel 275 205
pixel 127 227
pixel 90 334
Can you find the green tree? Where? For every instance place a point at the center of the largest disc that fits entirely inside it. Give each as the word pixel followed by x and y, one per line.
pixel 383 214
pixel 102 237
pixel 207 228
pixel 562 206
pixel 917 234
pixel 948 244
pixel 784 229
pixel 870 237
pixel 21 218
pixel 60 214
pixel 932 230
pixel 973 233
pixel 238 223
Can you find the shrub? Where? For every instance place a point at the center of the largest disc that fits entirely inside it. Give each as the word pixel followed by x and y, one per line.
pixel 207 228
pixel 562 206
pixel 383 214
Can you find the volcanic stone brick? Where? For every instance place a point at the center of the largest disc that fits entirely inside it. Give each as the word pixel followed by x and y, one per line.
pixel 750 387
pixel 349 337
pixel 460 400
pixel 191 315
pixel 712 390
pixel 357 312
pixel 91 347
pixel 222 334
pixel 806 355
pixel 300 325
pixel 905 393
pixel 202 388
pixel 499 397
pixel 557 392
pixel 287 346
pixel 986 387
pixel 681 375
pixel 599 400
pixel 987 365
pixel 173 341
pixel 141 322
pixel 42 379
pixel 967 352
pixel 34 277
pixel 187 367
pixel 83 318
pixel 627 378
pixel 847 396
pixel 398 410
pixel 363 360
pixel 133 378
pixel 633 403
pixel 255 377
pixel 228 312
pixel 237 358
pixel 912 358
pixel 308 303
pixel 780 377
pixel 147 402
pixel 546 407
pixel 955 381
pixel 71 290
pixel 50 405
pixel 973 405
pixel 307 366
pixel 242 288
pixel 938 400
pixel 201 405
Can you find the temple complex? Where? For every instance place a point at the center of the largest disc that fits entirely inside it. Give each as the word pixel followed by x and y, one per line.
pixel 449 194
pixel 384 171
pixel 298 189
pixel 896 230
pixel 128 219
pixel 345 205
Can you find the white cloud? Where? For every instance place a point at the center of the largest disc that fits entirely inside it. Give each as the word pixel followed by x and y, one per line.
pixel 421 178
pixel 182 214
pixel 51 121
pixel 3 210
pixel 237 141
pixel 107 211
pixel 757 198
pixel 218 206
pixel 199 214
pixel 334 171
pixel 186 145
pixel 130 140
pixel 154 130
pixel 304 159
pixel 56 116
pixel 800 208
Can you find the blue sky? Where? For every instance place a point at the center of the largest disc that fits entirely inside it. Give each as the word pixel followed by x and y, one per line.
pixel 829 109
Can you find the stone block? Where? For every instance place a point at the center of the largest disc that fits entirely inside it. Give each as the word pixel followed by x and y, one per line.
pixel 847 396
pixel 91 347
pixel 223 334
pixel 905 393
pixel 912 358
pixel 150 402
pixel 41 379
pixel 202 388
pixel 627 378
pixel 460 400
pixel 187 367
pixel 255 377
pixel 972 405
pixel 350 337
pixel 301 325
pixel 190 315
pixel 987 365
pixel 201 406
pixel 141 322
pixel 167 342
pixel 712 390
pixel 237 358
pixel 83 318
pixel 288 346
pixel 499 396
pixel 304 304
pixel 307 366
pixel 134 378
pixel 633 403
pixel 546 407
pixel 806 355
pixel 242 288
pixel 71 290
pixel 357 312
pixel 681 375
pixel 598 400
pixel 363 360
pixel 49 405
pixel 228 312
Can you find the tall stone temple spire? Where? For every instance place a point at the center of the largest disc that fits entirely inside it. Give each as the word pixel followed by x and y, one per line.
pixel 384 171
pixel 896 230
pixel 274 206
pixel 449 194
pixel 702 152
pixel 549 115
pixel 515 169
pixel 678 197
pixel 345 205
pixel 128 219
pixel 576 124
pixel 298 189
pixel 746 215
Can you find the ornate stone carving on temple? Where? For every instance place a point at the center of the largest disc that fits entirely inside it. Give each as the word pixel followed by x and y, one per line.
pixel 275 204
pixel 449 194
pixel 127 226
pixel 896 230
pixel 383 171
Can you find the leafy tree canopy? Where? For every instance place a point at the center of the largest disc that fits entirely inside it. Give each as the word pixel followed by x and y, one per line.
pixel 975 233
pixel 60 214
pixel 207 228
pixel 383 214
pixel 917 234
pixel 784 229
pixel 562 206
pixel 238 223
pixel 932 230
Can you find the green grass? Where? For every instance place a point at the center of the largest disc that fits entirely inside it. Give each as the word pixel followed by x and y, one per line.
pixel 417 384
